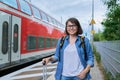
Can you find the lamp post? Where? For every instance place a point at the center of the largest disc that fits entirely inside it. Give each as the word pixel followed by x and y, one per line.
pixel 92 23
pixel 92 14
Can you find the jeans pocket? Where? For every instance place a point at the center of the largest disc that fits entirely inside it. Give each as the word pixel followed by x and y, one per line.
pixel 77 78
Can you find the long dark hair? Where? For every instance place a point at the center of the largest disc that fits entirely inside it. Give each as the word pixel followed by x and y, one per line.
pixel 76 22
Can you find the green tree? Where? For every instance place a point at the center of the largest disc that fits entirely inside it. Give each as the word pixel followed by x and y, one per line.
pixel 110 3
pixel 99 36
pixel 112 22
pixel 96 37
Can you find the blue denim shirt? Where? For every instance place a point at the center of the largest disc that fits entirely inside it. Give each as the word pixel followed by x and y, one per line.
pixel 57 56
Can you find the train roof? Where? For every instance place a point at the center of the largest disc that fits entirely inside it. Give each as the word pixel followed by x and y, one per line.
pixel 31 10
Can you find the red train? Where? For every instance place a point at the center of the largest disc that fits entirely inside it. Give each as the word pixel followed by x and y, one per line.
pixel 26 31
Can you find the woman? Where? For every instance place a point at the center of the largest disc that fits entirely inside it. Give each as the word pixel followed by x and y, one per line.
pixel 72 64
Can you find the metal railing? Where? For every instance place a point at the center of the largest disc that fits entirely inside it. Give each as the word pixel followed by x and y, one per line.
pixel 110 55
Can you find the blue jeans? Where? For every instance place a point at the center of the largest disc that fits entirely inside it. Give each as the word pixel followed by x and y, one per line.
pixel 71 78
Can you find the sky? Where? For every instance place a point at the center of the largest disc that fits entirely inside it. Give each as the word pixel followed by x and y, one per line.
pixel 80 9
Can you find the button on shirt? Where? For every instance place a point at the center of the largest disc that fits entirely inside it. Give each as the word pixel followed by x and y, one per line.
pixel 71 63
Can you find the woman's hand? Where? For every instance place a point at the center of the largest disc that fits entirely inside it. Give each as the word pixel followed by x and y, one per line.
pixel 82 74
pixel 46 60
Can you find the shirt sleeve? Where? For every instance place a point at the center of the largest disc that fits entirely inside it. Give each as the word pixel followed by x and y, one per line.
pixel 56 55
pixel 89 52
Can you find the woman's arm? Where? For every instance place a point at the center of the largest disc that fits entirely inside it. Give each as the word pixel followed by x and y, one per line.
pixel 56 55
pixel 48 59
pixel 89 52
pixel 82 74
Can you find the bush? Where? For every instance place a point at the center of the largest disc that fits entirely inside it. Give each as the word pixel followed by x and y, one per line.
pixel 110 77
pixel 97 55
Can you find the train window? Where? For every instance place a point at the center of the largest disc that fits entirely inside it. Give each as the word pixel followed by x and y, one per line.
pixel 31 44
pixel 56 40
pixel 25 7
pixel 5 37
pixel 48 42
pixel 36 12
pixel 58 24
pixel 41 42
pixel 44 16
pixel 11 3
pixel 53 42
pixel 52 20
pixel 49 18
pixel 55 22
pixel 15 45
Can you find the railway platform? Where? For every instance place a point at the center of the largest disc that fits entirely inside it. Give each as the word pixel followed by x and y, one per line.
pixel 35 72
pixel 95 73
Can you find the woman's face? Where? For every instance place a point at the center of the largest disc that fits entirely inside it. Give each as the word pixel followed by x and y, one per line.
pixel 71 28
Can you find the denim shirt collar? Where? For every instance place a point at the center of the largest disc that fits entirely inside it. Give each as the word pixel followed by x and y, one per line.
pixel 78 38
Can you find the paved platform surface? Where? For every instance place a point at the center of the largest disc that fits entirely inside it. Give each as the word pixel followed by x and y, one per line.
pixel 95 73
pixel 35 72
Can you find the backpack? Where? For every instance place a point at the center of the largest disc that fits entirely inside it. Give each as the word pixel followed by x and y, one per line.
pixel 82 44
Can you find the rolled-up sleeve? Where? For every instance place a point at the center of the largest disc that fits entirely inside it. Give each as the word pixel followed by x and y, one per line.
pixel 89 52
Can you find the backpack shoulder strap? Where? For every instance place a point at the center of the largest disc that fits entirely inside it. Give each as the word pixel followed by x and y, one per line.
pixel 83 46
pixel 62 41
pixel 61 44
pixel 82 41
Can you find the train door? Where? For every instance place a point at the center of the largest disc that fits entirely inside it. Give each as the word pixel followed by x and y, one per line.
pixel 15 41
pixel 9 38
pixel 4 25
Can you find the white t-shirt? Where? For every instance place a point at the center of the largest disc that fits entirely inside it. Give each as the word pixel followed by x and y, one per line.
pixel 71 62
